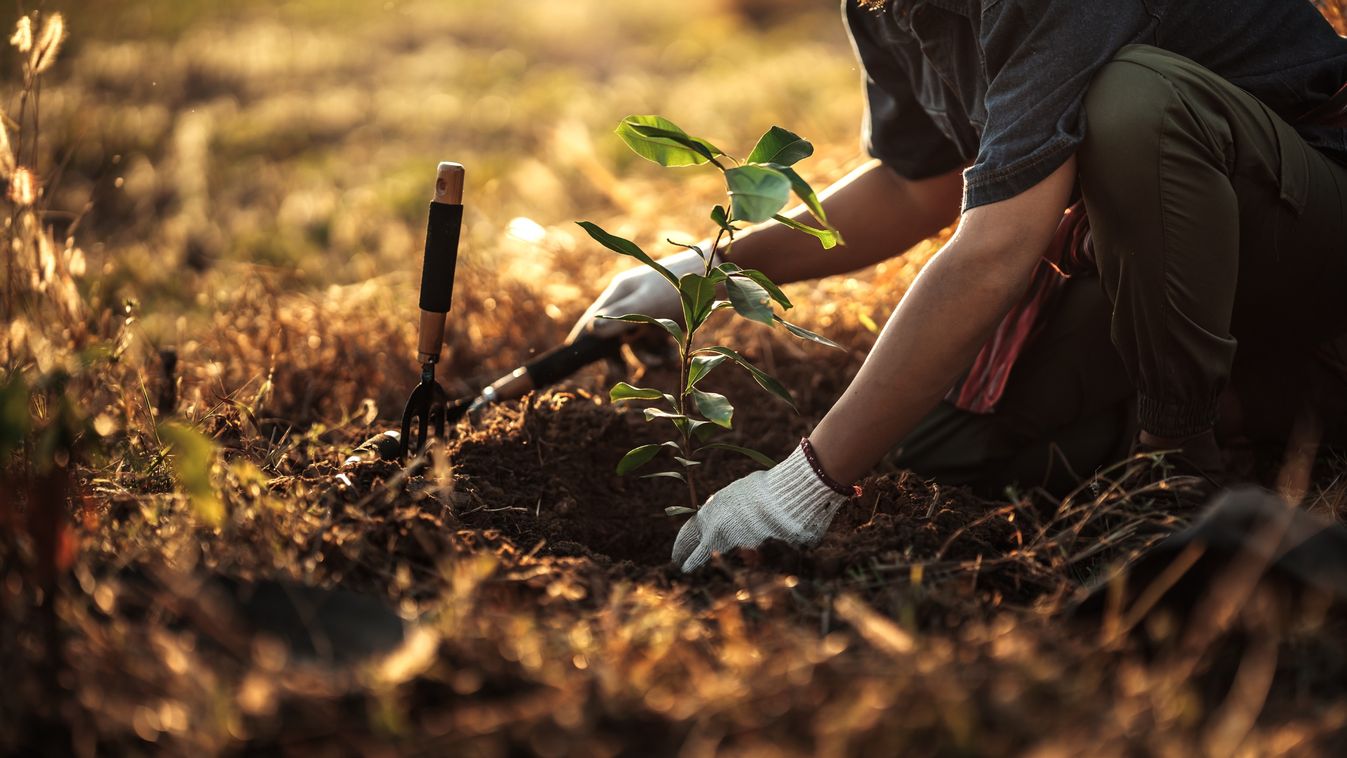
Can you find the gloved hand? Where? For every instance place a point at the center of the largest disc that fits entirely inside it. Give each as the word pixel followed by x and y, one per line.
pixel 640 290
pixel 789 502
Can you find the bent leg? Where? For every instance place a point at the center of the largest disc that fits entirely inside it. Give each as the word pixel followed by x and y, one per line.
pixel 1211 219
pixel 1066 412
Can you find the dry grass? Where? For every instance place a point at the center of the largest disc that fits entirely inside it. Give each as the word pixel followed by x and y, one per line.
pixel 222 230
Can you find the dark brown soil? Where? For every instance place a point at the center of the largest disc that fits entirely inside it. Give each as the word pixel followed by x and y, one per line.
pixel 537 477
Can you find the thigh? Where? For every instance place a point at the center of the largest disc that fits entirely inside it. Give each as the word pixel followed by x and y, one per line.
pixel 1067 409
pixel 1071 370
pixel 1293 262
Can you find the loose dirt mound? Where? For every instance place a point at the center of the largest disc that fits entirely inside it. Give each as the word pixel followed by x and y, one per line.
pixel 536 479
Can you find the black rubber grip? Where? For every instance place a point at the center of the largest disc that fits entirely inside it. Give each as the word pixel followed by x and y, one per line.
pixel 437 270
pixel 559 363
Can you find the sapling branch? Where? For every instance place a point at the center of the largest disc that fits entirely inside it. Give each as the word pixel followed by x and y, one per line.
pixel 757 189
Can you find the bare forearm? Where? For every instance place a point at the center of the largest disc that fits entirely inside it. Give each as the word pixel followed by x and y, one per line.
pixel 912 365
pixel 949 312
pixel 879 213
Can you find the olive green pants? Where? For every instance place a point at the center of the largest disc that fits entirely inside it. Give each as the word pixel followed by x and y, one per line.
pixel 1221 243
pixel 1068 409
pixel 1215 225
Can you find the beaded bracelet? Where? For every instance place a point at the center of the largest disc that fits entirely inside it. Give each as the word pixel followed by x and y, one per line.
pixel 832 484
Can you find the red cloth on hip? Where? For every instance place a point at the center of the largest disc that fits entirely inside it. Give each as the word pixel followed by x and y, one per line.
pixel 1070 252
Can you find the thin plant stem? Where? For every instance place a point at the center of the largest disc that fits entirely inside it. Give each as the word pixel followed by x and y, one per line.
pixel 684 369
pixel 686 441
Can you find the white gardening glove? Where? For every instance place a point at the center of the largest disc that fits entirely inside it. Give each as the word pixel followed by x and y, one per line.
pixel 639 290
pixel 789 502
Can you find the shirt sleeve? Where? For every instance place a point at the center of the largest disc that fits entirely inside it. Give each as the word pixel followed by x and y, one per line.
pixel 1040 56
pixel 896 129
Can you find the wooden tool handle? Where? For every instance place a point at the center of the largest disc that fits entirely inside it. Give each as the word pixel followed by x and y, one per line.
pixel 449 184
pixel 437 272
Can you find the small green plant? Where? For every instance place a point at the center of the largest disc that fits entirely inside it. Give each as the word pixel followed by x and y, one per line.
pixel 757 188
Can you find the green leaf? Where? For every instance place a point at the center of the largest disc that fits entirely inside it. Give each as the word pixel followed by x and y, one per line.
pixel 806 194
pixel 715 407
pixel 805 334
pixel 780 146
pixel 828 238
pixel 698 294
pixel 660 140
pixel 757 457
pixel 193 457
pixel 678 510
pixel 623 391
pixel 638 457
pixel 669 325
pixel 665 474
pixel 625 247
pixel 694 248
pixel 653 413
pixel 750 300
pixel 757 192
pixel 766 283
pixel 722 219
pixel 703 430
pixel 701 366
pixel 686 463
pixel 764 380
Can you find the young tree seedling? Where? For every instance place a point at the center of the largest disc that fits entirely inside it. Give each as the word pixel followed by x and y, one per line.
pixel 757 188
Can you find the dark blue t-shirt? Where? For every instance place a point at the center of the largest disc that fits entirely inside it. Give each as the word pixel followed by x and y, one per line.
pixel 1000 83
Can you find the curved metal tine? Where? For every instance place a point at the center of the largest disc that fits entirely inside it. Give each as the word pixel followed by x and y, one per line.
pixel 437 419
pixel 456 410
pixel 418 409
pixel 423 427
pixel 405 443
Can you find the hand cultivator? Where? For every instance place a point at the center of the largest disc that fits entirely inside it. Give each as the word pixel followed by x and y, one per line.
pixel 430 411
pixel 428 406
pixel 549 368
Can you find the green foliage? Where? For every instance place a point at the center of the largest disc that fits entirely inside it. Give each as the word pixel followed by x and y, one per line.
pixel 780 146
pixel 749 299
pixel 660 140
pixel 623 391
pixel 193 459
pixel 626 247
pixel 756 189
pixel 756 192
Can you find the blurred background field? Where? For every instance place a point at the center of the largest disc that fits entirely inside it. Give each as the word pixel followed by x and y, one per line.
pixel 225 304
pixel 283 151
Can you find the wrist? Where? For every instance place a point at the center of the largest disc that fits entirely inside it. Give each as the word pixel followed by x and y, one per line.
pixel 795 484
pixel 845 490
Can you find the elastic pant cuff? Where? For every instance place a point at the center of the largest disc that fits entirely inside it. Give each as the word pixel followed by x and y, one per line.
pixel 1171 419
